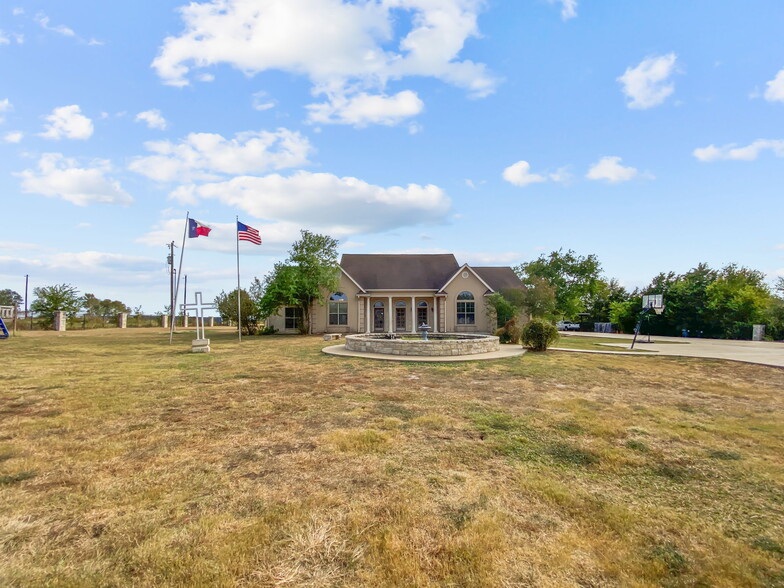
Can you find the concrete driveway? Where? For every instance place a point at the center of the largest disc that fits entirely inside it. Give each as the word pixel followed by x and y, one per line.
pixel 762 352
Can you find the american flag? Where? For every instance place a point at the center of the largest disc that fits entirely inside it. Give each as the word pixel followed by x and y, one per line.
pixel 246 233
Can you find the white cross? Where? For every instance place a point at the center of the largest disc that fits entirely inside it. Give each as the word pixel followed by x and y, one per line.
pixel 199 307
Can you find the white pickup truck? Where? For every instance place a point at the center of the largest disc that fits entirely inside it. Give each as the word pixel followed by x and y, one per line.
pixel 567 326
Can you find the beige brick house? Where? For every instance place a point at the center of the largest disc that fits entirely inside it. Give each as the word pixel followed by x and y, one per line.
pixel 397 293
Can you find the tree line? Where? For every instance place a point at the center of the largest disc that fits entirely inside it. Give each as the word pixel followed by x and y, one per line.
pixel 704 301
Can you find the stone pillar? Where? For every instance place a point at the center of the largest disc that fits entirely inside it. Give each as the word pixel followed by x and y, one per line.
pixel 165 321
pixel 59 320
pixel 211 322
pixel 122 320
pixel 185 321
pixel 758 332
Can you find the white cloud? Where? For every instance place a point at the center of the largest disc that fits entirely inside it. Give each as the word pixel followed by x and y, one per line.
pixel 43 21
pixel 568 8
pixel 5 106
pixel 610 169
pixel 355 56
pixel 648 84
pixel 732 152
pixel 363 109
pixel 561 175
pixel 201 156
pixel 338 206
pixel 13 136
pixel 3 39
pixel 261 101
pixel 520 174
pixel 153 118
pixel 67 122
pixel 95 271
pixel 59 177
pixel 775 90
pixel 18 11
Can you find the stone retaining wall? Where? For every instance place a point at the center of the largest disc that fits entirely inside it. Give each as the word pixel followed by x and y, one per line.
pixel 460 345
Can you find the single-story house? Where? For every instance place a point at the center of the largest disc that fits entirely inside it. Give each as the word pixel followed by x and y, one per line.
pixel 397 293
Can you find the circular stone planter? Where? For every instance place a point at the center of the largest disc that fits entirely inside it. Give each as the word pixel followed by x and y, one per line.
pixel 440 344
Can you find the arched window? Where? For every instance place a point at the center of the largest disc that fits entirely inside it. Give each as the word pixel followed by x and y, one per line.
pixel 466 309
pixel 378 304
pixel 338 309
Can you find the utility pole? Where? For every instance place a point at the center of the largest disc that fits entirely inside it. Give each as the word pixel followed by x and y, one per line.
pixel 170 260
pixel 185 300
pixel 27 278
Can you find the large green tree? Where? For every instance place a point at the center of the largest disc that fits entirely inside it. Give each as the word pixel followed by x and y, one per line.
pixel 305 278
pixel 575 279
pixel 50 299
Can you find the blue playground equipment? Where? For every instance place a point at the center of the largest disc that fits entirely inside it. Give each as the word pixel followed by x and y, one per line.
pixel 4 334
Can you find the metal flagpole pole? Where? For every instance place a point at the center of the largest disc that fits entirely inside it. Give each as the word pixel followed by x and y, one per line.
pixel 239 311
pixel 179 275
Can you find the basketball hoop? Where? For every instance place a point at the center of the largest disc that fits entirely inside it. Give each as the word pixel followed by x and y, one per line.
pixel 650 302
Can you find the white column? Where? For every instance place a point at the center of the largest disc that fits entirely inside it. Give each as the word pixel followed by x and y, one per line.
pixel 368 310
pixel 413 315
pixel 389 313
pixel 435 314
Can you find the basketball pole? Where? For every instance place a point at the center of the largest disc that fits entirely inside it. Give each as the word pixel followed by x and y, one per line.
pixel 639 325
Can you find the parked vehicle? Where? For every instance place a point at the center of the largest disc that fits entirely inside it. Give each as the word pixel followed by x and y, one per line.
pixel 567 326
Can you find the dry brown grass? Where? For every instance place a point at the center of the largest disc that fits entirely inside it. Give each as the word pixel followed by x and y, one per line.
pixel 124 461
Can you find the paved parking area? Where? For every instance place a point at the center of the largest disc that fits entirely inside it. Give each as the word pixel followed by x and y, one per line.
pixel 762 352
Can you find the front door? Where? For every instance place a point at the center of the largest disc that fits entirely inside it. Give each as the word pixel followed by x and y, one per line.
pixel 400 319
pixel 422 316
pixel 378 320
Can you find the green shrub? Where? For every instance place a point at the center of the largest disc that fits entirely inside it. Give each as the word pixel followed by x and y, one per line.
pixel 510 332
pixel 539 334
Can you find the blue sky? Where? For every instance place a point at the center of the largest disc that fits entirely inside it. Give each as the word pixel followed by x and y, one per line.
pixel 649 133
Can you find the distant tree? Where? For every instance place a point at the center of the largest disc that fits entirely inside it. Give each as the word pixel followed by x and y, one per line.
pixel 50 299
pixel 10 298
pixel 249 307
pixel 105 308
pixel 737 298
pixel 601 299
pixel 310 271
pixel 574 278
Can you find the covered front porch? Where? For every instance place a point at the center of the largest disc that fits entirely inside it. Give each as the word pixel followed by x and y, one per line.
pixel 400 313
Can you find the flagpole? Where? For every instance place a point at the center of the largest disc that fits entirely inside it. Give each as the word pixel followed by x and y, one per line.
pixel 239 297
pixel 179 275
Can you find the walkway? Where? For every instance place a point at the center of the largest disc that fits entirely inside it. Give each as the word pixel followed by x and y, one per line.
pixel 761 352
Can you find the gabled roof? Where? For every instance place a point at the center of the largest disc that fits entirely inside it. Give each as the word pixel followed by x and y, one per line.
pixel 499 278
pixel 399 272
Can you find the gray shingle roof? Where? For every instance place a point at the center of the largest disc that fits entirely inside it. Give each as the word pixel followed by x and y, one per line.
pixel 398 271
pixel 499 278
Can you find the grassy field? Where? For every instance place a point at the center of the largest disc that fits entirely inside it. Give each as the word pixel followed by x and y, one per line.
pixel 128 462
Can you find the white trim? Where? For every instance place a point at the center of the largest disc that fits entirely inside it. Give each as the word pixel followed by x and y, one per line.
pixel 457 273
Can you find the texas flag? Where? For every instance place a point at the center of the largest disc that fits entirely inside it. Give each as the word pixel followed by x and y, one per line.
pixel 197 229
